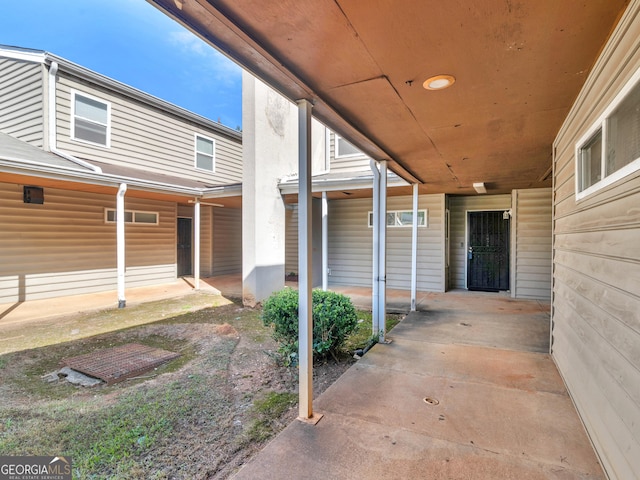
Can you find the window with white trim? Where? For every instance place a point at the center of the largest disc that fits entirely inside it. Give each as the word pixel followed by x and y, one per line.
pixel 205 153
pixel 345 149
pixel 91 119
pixel 402 218
pixel 132 216
pixel 610 150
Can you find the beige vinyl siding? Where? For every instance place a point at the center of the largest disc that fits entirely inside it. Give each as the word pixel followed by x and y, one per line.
pixel 350 244
pixel 146 137
pixel 227 241
pixel 345 164
pixel 531 257
pixel 21 100
pixel 596 264
pixel 459 206
pixel 64 247
pixel 291 239
pixel 206 240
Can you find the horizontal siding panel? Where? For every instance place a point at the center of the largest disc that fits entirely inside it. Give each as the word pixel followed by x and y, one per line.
pixel 596 333
pixel 150 275
pixel 206 240
pixel 147 138
pixel 227 241
pixel 624 243
pixel 21 100
pixel 351 249
pixel 533 243
pixel 592 401
pixel 356 163
pixel 291 239
pixel 65 246
pixel 614 273
pixel 623 212
pixel 615 404
pixel 622 305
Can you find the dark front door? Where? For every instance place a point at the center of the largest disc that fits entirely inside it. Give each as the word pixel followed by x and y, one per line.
pixel 488 252
pixel 184 247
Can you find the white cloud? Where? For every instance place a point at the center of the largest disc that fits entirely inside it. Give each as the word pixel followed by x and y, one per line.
pixel 211 61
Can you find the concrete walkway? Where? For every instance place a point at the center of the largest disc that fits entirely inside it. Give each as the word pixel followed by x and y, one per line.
pixel 464 391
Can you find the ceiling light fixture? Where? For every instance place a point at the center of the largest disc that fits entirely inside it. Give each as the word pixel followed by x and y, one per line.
pixel 479 187
pixel 439 82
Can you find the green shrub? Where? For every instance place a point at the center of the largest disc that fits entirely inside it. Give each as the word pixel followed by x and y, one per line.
pixel 334 319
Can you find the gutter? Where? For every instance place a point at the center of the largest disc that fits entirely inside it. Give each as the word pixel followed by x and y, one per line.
pixel 289 186
pixel 120 245
pixel 95 178
pixel 134 93
pixel 53 70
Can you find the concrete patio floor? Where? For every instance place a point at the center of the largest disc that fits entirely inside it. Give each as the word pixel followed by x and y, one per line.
pixel 465 390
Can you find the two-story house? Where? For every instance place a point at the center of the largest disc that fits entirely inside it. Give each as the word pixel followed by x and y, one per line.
pixel 73 142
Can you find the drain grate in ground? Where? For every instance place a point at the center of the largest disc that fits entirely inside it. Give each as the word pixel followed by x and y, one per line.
pixel 116 364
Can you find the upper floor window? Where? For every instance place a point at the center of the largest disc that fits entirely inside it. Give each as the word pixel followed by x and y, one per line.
pixel 205 153
pixel 345 149
pixel 610 150
pixel 91 119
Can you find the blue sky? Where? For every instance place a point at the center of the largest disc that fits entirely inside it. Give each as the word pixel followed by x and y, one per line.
pixel 132 42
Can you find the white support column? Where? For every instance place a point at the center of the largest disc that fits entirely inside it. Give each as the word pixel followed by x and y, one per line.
pixel 305 320
pixel 414 249
pixel 325 241
pixel 375 317
pixel 120 244
pixel 196 244
pixel 382 263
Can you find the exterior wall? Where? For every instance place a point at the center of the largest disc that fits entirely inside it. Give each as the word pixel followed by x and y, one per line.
pixel 291 239
pixel 346 164
pixel 270 147
pixel 206 235
pixel 531 244
pixel 64 247
pixel 21 100
pixel 350 244
pixel 458 207
pixel 146 137
pixel 227 241
pixel 206 240
pixel 596 265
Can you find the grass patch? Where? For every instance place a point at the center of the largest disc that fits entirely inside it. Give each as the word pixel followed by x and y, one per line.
pixel 363 332
pixel 41 361
pixel 267 412
pixel 109 437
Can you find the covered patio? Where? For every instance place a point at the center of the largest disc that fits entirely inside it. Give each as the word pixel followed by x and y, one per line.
pixel 466 389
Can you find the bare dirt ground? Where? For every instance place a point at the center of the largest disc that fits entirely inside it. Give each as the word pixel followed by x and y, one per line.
pixel 200 416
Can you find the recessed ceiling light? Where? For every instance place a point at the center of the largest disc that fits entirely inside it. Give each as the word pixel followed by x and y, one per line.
pixel 439 82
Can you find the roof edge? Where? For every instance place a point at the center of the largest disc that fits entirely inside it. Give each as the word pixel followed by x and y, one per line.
pixel 45 58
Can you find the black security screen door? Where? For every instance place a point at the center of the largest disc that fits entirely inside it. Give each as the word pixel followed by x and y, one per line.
pixel 488 252
pixel 184 247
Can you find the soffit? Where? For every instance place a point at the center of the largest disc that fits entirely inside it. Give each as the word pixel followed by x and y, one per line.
pixel 519 66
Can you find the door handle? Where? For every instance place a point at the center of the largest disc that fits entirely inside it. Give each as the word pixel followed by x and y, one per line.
pixel 470 253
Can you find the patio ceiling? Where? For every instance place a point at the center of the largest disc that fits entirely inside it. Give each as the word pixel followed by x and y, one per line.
pixel 518 66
